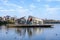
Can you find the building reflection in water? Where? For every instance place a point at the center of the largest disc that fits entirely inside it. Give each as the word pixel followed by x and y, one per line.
pixel 21 32
pixel 29 31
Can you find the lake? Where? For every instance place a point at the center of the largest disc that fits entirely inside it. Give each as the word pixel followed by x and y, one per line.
pixel 37 33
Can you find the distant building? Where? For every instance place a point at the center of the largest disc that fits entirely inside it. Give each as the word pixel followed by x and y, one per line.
pixel 9 19
pixel 1 18
pixel 22 20
pixel 6 18
pixel 35 20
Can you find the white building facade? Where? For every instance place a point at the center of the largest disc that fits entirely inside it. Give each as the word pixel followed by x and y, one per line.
pixel 36 20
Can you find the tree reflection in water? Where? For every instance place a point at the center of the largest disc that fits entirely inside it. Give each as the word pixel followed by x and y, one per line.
pixel 0 27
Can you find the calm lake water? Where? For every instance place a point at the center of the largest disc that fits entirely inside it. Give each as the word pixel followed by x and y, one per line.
pixel 11 33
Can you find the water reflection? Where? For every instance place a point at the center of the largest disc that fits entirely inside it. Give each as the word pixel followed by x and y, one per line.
pixel 15 32
pixel 23 31
pixel 29 31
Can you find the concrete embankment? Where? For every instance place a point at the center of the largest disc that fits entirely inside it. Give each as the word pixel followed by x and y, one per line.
pixel 28 25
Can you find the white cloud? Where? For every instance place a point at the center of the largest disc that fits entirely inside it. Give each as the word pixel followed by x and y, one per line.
pixel 1 8
pixel 52 13
pixel 52 0
pixel 32 6
pixel 48 9
pixel 51 10
pixel 36 0
pixel 12 9
pixel 22 2
pixel 4 1
pixel 46 6
pixel 16 8
pixel 13 5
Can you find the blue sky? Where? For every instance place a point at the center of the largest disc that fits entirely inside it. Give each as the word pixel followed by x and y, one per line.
pixel 49 9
